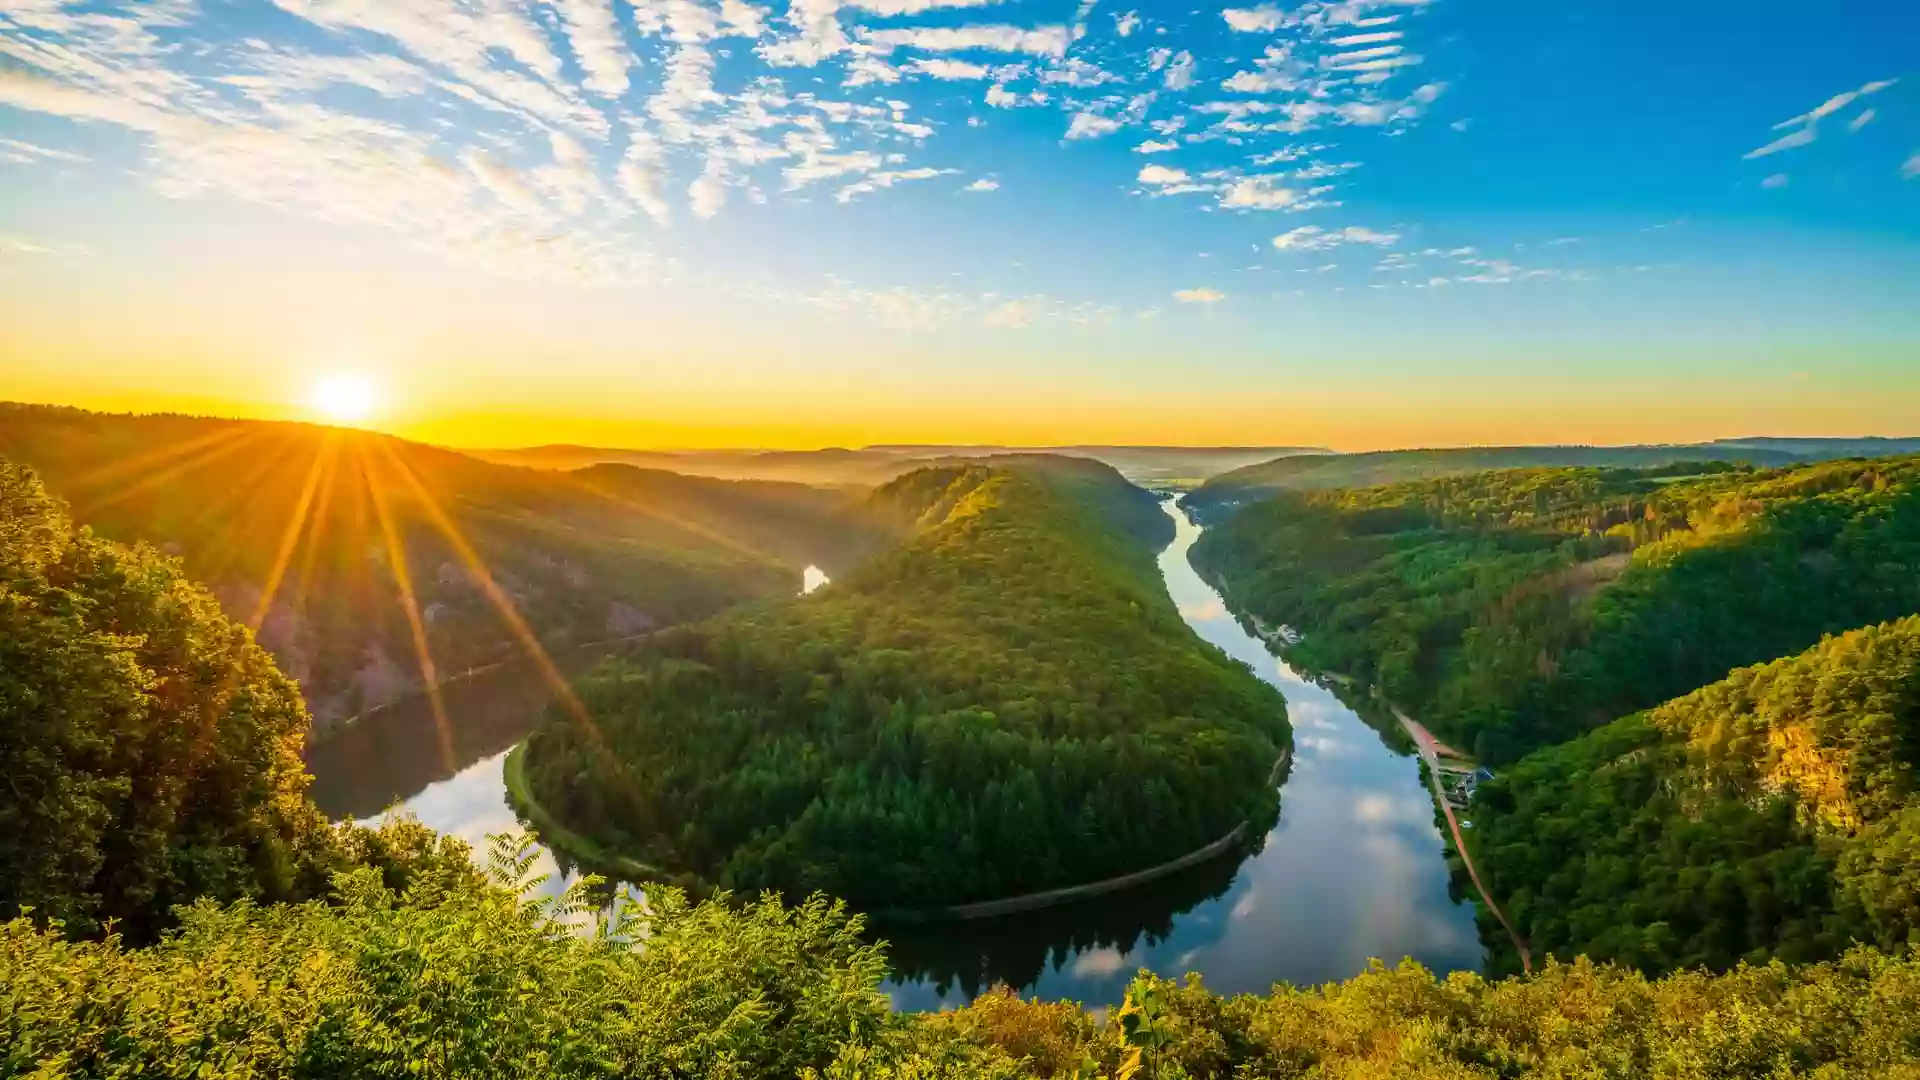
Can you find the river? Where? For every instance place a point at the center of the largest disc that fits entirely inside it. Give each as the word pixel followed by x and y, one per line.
pixel 1354 869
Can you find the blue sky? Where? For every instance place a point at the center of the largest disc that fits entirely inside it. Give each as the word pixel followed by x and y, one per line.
pixel 1200 207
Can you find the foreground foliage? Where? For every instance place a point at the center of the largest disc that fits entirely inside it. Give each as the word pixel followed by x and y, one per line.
pixel 1007 702
pixel 1513 610
pixel 1775 813
pixel 478 981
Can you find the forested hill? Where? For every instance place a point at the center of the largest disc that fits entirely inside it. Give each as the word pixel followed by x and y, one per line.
pixel 1775 813
pixel 342 544
pixel 1096 487
pixel 1319 472
pixel 1511 610
pixel 1005 702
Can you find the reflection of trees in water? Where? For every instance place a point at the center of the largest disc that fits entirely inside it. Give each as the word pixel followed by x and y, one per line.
pixel 365 767
pixel 1376 714
pixel 1019 949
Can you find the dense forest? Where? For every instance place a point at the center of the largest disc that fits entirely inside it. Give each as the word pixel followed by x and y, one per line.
pixel 1775 813
pixel 1515 609
pixel 151 750
pixel 349 551
pixel 448 980
pixel 1376 468
pixel 1006 701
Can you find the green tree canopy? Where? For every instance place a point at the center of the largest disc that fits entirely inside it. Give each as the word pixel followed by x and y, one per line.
pixel 1772 814
pixel 1512 610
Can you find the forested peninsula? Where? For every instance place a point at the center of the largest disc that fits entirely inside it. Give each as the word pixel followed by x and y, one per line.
pixel 1004 702
pixel 1516 609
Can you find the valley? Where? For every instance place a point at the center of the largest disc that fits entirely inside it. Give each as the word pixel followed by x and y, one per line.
pixel 867 745
pixel 1352 808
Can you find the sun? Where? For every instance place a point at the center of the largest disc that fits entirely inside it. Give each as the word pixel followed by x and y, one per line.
pixel 346 398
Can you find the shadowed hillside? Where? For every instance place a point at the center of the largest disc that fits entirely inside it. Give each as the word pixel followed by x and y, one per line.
pixel 365 562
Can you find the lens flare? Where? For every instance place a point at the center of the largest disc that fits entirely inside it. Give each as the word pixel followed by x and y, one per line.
pixel 346 398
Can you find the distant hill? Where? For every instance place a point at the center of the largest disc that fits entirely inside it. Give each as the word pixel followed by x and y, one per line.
pixel 1308 473
pixel 1141 464
pixel 874 465
pixel 342 526
pixel 1772 814
pixel 1007 701
pixel 1815 449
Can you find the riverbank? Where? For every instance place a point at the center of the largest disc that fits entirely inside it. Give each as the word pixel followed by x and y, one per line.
pixel 1278 640
pixel 1014 905
pixel 1425 741
pixel 582 850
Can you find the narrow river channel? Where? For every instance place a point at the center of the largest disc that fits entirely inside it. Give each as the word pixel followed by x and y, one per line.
pixel 1353 871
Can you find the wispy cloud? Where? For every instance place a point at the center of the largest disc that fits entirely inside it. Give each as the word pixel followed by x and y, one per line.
pixel 941 68
pixel 594 32
pixel 587 140
pixel 1199 296
pixel 1790 141
pixel 1271 193
pixel 21 151
pixel 1258 20
pixel 1314 238
pixel 1039 41
pixel 1803 129
pixel 886 179
pixel 1088 125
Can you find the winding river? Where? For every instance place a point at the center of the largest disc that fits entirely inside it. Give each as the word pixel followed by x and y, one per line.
pixel 1354 870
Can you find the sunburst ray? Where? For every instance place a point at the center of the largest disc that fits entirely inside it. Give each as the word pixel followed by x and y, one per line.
pixel 409 603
